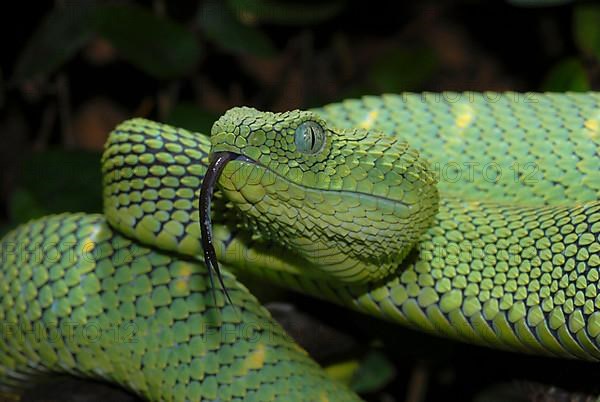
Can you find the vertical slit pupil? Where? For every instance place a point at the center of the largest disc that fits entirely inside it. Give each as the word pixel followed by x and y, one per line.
pixel 309 137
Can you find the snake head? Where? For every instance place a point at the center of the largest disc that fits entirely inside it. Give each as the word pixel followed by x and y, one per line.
pixel 350 202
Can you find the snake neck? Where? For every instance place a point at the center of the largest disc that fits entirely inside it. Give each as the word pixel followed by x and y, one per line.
pixel 151 177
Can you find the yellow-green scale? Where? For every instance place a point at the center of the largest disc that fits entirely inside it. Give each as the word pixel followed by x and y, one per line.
pixel 526 148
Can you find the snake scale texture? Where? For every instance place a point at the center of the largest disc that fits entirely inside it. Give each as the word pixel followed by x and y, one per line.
pixel 474 216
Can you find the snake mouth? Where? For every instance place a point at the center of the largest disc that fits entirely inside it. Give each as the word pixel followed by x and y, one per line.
pixel 352 236
pixel 216 166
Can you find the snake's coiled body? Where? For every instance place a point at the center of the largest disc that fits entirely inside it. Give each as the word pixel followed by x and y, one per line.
pixel 510 257
pixel 80 299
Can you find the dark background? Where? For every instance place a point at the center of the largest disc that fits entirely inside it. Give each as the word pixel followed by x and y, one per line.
pixel 71 70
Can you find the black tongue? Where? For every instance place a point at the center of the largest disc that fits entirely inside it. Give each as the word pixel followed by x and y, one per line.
pixel 219 160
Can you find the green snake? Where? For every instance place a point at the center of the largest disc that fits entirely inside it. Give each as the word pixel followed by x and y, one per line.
pixel 474 216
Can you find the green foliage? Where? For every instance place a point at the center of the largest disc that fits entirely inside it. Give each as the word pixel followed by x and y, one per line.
pixel 223 27
pixel 157 46
pixel 567 75
pixel 24 206
pixel 374 373
pixel 190 117
pixel 286 12
pixel 62 33
pixel 586 25
pixel 57 181
pixel 403 69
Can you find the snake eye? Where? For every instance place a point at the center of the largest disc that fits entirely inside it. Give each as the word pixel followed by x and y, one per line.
pixel 309 137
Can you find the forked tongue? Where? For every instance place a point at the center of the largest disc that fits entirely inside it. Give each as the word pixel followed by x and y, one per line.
pixel 219 160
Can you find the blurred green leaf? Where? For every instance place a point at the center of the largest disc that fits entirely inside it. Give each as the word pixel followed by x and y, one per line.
pixel 222 26
pixel 189 116
pixel 567 75
pixel 343 371
pixel 60 35
pixel 57 181
pixel 161 48
pixel 374 373
pixel 286 12
pixel 586 23
pixel 403 69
